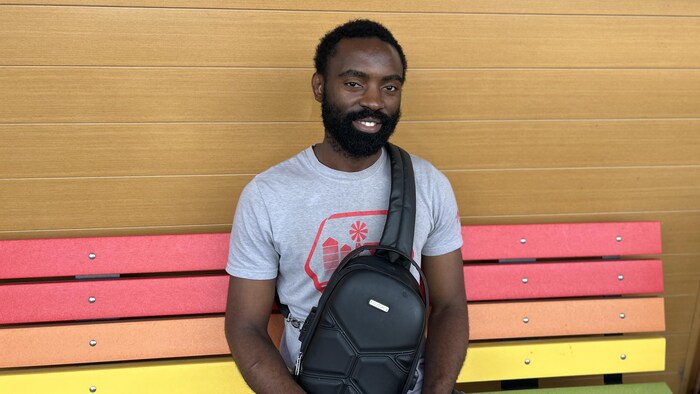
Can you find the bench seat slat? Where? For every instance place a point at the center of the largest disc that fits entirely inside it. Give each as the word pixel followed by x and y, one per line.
pixel 500 320
pixel 193 376
pixel 497 281
pixel 506 360
pixel 112 255
pixel 61 301
pixel 494 242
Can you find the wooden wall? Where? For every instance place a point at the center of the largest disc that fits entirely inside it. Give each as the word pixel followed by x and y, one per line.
pixel 123 117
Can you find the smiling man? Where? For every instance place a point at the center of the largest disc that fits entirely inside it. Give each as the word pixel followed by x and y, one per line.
pixel 297 220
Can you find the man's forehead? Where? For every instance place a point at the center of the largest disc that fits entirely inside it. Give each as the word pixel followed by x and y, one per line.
pixel 357 52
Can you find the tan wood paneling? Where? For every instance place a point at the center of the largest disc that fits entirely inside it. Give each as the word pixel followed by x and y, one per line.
pixel 686 265
pixel 676 351
pixel 187 37
pixel 182 149
pixel 620 7
pixel 57 150
pixel 682 283
pixel 118 202
pixel 64 94
pixel 513 192
pixel 146 201
pixel 678 320
pixel 691 379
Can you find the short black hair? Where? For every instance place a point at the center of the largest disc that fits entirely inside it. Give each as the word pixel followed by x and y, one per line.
pixel 358 28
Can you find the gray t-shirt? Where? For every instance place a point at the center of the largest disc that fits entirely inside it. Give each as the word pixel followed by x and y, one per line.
pixel 298 219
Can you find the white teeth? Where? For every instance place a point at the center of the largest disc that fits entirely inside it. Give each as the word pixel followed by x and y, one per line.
pixel 369 124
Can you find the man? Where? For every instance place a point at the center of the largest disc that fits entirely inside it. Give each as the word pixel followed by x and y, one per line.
pixel 295 221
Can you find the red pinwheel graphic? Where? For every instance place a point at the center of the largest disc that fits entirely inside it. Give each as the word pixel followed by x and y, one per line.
pixel 358 232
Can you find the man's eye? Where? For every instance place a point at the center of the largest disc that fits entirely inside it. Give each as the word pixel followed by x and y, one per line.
pixel 352 84
pixel 392 88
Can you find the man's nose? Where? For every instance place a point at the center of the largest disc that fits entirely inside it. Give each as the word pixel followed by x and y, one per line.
pixel 372 99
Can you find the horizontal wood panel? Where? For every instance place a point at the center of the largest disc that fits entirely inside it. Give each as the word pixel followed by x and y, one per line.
pixel 119 202
pixel 99 36
pixel 493 320
pixel 36 204
pixel 679 313
pixel 537 192
pixel 506 360
pixel 496 281
pixel 150 149
pixel 625 7
pixel 88 94
pixel 207 375
pixel 62 301
pixel 529 241
pixel 677 346
pixel 57 150
pixel 117 255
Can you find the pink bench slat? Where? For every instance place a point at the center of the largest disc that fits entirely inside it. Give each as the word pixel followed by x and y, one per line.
pixel 61 301
pixel 560 240
pixel 499 281
pixel 113 255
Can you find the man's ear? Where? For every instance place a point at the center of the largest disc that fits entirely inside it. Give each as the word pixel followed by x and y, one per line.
pixel 317 86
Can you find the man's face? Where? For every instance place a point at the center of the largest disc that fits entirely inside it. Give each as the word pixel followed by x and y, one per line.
pixel 361 95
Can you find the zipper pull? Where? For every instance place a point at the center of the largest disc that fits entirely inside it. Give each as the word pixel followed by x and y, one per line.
pixel 297 367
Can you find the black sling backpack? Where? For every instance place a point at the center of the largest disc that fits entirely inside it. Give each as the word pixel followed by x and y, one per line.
pixel 367 333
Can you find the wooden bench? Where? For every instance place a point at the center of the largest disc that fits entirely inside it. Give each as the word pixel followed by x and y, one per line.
pixel 144 313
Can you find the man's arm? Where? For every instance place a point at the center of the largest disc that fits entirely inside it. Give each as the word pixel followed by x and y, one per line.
pixel 448 327
pixel 247 315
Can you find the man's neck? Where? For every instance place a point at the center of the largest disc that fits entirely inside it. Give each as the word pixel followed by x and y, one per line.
pixel 334 157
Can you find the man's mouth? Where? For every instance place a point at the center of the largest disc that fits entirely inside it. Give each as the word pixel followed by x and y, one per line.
pixel 367 125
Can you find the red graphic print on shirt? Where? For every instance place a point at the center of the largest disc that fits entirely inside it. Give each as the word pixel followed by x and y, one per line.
pixel 337 236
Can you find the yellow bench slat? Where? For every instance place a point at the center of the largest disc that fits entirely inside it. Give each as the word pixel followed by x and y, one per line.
pixel 207 375
pixel 566 357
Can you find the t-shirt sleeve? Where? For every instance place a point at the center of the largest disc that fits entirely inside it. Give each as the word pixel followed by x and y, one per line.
pixel 446 234
pixel 252 254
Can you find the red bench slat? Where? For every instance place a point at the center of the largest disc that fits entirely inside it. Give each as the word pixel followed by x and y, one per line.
pixel 560 240
pixel 499 281
pixel 113 255
pixel 61 301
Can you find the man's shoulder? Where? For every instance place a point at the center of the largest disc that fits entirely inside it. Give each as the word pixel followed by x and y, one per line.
pixel 425 171
pixel 286 171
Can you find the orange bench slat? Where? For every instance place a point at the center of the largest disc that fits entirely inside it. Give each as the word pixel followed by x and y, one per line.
pixel 503 320
pixel 117 341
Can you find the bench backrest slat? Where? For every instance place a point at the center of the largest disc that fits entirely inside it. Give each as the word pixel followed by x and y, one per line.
pixel 502 320
pixel 112 255
pixel 61 301
pixel 498 281
pixel 526 241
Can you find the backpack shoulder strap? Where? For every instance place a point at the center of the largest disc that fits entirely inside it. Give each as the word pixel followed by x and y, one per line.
pixel 401 213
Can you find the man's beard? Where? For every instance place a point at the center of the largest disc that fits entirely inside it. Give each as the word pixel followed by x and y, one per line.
pixel 355 143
